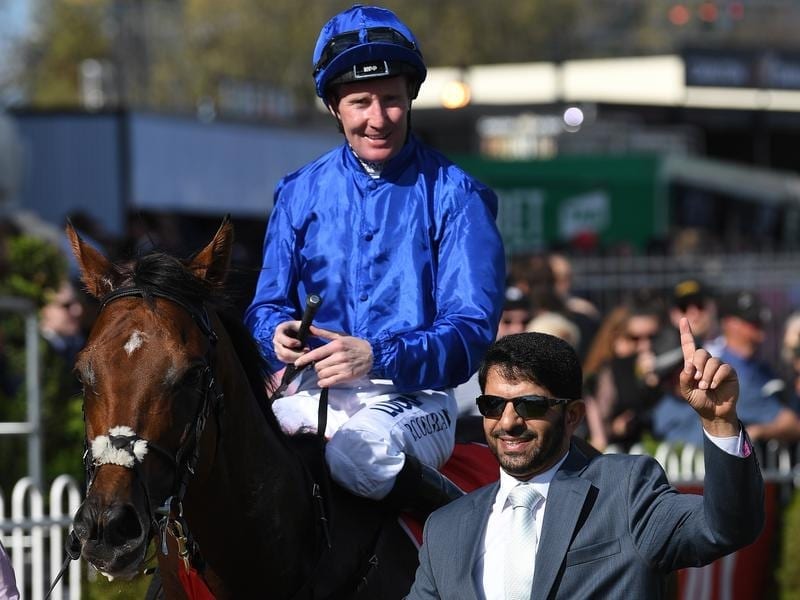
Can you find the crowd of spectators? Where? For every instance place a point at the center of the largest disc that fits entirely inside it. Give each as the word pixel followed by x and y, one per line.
pixel 631 353
pixel 630 350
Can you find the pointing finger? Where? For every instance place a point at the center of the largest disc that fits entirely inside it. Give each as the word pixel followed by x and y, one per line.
pixel 687 340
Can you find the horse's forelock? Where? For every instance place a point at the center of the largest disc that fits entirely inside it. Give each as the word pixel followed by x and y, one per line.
pixel 158 271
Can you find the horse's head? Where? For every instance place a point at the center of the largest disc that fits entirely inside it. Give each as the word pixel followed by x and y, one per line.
pixel 148 378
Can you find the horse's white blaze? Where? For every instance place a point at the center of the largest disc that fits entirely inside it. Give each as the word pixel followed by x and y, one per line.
pixel 104 452
pixel 135 342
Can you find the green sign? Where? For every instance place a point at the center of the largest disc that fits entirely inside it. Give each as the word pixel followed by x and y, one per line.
pixel 615 200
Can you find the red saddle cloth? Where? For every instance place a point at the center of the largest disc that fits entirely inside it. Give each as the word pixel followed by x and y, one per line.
pixel 470 467
pixel 193 583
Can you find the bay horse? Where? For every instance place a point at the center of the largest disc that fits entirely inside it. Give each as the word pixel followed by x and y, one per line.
pixel 177 417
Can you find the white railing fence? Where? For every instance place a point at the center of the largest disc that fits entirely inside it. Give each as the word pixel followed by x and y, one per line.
pixel 684 464
pixel 34 535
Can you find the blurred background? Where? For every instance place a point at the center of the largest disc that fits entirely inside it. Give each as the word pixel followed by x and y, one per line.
pixel 634 146
pixel 609 129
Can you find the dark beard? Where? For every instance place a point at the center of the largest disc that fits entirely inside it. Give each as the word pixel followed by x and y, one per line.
pixel 544 456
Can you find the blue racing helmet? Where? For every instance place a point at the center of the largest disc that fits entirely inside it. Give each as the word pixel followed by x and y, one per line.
pixel 366 42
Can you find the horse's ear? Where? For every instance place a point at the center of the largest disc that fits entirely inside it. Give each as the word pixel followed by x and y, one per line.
pixel 213 261
pixel 97 272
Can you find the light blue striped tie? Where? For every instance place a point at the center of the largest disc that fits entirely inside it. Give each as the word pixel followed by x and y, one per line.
pixel 521 548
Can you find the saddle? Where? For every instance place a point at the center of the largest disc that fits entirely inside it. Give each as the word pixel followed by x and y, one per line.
pixel 355 534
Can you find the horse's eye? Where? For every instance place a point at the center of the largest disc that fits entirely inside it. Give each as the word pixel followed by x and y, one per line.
pixel 79 375
pixel 193 377
pixel 84 373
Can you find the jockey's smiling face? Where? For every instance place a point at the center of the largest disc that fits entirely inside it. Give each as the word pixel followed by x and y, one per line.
pixel 374 116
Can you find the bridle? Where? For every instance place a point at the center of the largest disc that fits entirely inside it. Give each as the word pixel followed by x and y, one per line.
pixel 168 519
pixel 124 442
pixel 184 461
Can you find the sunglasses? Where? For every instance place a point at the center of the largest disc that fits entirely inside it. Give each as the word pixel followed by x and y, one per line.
pixel 698 304
pixel 638 338
pixel 345 41
pixel 531 406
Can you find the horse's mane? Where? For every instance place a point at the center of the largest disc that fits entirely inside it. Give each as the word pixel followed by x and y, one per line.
pixel 161 272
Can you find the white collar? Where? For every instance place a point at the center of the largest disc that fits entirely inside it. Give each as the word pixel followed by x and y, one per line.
pixel 373 169
pixel 540 482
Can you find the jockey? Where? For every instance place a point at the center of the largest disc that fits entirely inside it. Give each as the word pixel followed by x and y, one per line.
pixel 403 249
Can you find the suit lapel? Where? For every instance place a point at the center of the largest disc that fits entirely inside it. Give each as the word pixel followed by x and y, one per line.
pixel 565 499
pixel 471 527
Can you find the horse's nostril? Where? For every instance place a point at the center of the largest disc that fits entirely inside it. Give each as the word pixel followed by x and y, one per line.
pixel 121 525
pixel 85 524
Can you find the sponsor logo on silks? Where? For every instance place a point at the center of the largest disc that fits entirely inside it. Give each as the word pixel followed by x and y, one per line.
pixel 420 427
pixel 396 406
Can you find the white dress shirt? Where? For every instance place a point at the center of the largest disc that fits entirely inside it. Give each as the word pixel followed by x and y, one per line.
pixel 488 570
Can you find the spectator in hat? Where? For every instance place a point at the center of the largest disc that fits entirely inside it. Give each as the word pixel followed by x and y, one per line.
pixel 693 300
pixel 760 408
pixel 516 312
pixel 743 318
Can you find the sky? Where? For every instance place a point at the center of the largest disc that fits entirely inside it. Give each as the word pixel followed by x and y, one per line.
pixel 15 22
pixel 15 16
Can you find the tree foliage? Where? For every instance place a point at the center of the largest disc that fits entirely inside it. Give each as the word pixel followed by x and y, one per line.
pixel 174 54
pixel 180 55
pixel 170 55
pixel 32 269
pixel 68 33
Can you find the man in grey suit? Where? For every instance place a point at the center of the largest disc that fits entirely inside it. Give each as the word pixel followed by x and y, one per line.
pixel 605 526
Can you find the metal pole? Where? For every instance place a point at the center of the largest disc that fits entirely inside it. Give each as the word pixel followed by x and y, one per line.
pixel 33 427
pixel 33 386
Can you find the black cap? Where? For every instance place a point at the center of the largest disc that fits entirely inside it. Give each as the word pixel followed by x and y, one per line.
pixel 688 292
pixel 746 306
pixel 516 299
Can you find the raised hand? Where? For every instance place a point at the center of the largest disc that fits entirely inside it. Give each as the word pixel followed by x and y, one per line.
pixel 710 386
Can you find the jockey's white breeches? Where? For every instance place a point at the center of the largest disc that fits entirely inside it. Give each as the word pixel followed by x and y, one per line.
pixel 370 428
